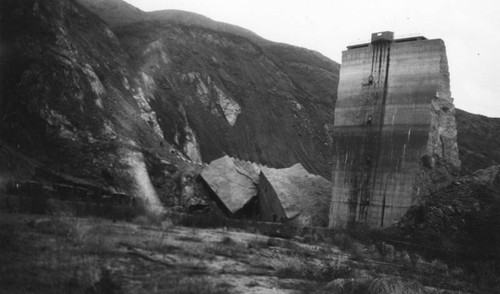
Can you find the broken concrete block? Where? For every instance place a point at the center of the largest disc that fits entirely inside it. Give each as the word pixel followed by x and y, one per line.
pixel 233 183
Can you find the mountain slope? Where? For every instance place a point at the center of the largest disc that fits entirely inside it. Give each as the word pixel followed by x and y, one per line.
pixel 69 100
pixel 454 218
pixel 238 98
pixel 115 12
pixel 220 89
pixel 478 141
pixel 132 107
pixel 118 13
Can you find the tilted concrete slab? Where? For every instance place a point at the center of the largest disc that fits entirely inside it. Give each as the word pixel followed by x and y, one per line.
pixel 234 183
pixel 294 194
pixel 283 194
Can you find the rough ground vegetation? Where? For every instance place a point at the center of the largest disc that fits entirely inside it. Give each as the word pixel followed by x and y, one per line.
pixel 61 254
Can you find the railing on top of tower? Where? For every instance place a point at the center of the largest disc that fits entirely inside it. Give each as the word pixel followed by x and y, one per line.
pixel 407 36
pixel 410 36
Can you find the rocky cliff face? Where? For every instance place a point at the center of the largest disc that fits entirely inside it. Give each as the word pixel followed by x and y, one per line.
pixel 219 93
pixel 135 106
pixel 70 101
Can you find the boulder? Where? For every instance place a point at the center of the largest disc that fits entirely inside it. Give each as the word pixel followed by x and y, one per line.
pixel 294 193
pixel 233 183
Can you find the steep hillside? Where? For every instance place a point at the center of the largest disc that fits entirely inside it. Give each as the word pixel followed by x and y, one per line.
pixel 115 12
pixel 136 107
pixel 118 13
pixel 222 94
pixel 478 141
pixel 69 101
pixel 456 217
pixel 219 89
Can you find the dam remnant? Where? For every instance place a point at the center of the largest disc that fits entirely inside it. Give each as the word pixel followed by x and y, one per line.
pixel 394 133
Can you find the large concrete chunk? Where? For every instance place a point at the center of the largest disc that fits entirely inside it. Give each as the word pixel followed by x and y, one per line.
pixel 234 183
pixel 293 194
pixel 287 194
pixel 394 131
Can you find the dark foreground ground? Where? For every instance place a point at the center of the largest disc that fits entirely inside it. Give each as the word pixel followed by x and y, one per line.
pixel 66 254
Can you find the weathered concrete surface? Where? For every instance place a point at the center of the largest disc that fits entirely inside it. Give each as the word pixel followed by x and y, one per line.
pixel 293 194
pixel 394 131
pixel 234 183
pixel 278 197
pixel 282 194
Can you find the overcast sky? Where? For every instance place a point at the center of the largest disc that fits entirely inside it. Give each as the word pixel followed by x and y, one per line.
pixel 470 30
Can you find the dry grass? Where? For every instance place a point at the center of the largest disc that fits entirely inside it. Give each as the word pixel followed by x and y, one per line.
pixel 82 250
pixel 394 286
pixel 228 248
pixel 197 285
pixel 194 239
pixel 91 238
pixel 159 243
pixel 372 286
pixel 302 268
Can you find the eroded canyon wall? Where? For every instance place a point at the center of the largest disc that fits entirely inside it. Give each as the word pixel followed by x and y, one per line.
pixel 394 131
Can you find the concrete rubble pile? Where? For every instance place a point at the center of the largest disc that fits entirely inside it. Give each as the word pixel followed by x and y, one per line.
pixel 275 195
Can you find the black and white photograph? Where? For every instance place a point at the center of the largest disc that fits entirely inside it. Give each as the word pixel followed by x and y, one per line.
pixel 261 147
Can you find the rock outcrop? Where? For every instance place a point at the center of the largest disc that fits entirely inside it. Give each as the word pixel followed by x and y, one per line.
pixel 134 102
pixel 238 93
pixel 69 99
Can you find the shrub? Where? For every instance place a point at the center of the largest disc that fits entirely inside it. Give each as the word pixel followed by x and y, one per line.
pixel 147 220
pixel 92 238
pixel 394 286
pixel 227 241
pixel 105 285
pixel 299 267
pixel 8 238
pixel 195 285
pixel 189 239
pixel 227 247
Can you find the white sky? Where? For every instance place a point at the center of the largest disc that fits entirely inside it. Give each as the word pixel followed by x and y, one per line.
pixel 470 30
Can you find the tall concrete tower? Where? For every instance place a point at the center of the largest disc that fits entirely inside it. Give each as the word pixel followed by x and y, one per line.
pixel 394 132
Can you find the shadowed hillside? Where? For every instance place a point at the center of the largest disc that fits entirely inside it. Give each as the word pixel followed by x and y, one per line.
pixel 220 89
pixel 134 102
pixel 478 141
